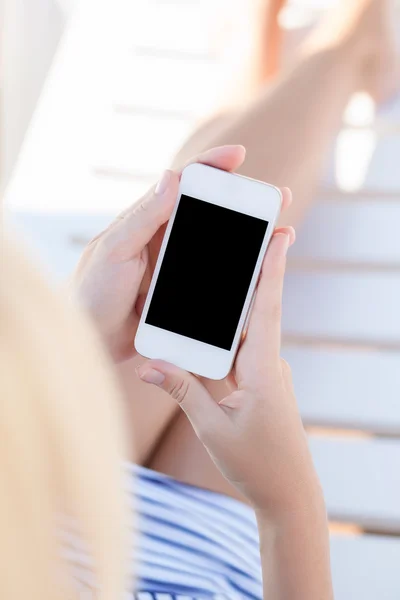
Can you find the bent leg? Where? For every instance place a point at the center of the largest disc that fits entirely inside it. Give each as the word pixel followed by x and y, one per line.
pixel 289 125
pixel 287 131
pixel 288 128
pixel 148 411
pixel 181 455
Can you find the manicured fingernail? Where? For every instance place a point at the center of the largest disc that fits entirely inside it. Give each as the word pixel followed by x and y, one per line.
pixel 152 376
pixel 163 184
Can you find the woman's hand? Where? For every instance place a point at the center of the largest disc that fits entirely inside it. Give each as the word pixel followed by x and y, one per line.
pixel 254 435
pixel 113 275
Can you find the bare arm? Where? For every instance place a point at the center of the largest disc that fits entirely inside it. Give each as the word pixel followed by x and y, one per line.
pixel 295 552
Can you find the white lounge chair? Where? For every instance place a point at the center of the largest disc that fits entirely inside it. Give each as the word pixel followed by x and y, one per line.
pixel 90 151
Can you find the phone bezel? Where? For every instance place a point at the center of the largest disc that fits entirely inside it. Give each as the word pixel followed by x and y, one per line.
pixel 236 192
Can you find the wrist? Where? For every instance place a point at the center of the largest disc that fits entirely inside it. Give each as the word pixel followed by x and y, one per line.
pixel 304 501
pixel 294 551
pixel 109 343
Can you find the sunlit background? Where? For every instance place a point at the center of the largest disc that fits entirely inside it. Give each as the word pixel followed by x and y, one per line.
pixel 97 96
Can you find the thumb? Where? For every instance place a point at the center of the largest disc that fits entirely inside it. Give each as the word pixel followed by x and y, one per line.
pixel 137 225
pixel 202 410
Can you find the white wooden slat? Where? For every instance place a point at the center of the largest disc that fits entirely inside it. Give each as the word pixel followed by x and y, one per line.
pixel 183 27
pixel 347 388
pixel 161 82
pixel 109 195
pixel 383 172
pixel 333 306
pixel 66 6
pixel 329 193
pixel 366 158
pixel 362 307
pixel 58 238
pixel 362 232
pixel 138 143
pixel 51 239
pixel 365 567
pixel 360 479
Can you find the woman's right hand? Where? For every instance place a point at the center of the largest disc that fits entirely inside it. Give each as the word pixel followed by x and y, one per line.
pixel 254 435
pixel 256 438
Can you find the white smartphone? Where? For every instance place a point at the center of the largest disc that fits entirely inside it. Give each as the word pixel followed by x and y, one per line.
pixel 207 270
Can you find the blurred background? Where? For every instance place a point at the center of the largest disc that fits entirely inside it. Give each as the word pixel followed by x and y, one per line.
pixel 98 96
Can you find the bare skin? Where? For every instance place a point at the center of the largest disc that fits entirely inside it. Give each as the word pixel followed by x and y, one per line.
pixel 287 128
pixel 254 435
pixel 289 124
pixel 106 283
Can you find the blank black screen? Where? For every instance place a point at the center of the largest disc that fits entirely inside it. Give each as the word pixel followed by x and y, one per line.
pixel 206 272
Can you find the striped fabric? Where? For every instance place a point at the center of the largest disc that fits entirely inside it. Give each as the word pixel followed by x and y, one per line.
pixel 194 543
pixel 151 596
pixel 191 544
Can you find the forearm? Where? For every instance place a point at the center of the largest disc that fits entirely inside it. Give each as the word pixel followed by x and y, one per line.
pixel 295 551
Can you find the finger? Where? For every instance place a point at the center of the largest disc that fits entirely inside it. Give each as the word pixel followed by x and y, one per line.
pixel 227 158
pixel 290 231
pixel 136 226
pixel 287 198
pixel 186 389
pixel 292 238
pixel 140 302
pixel 265 321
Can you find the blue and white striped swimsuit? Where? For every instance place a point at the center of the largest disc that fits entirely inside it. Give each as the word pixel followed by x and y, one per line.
pixel 193 543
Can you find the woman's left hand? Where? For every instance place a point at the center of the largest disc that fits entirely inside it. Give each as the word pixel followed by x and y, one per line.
pixel 109 279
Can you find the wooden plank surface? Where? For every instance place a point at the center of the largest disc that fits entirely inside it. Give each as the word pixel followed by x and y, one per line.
pixel 85 121
pixel 92 154
pixel 365 567
pixel 139 143
pixel 162 80
pixel 361 480
pixel 54 168
pixel 347 388
pixel 357 307
pixel 149 30
pixel 57 239
pixel 359 231
pixel 383 172
pixel 335 387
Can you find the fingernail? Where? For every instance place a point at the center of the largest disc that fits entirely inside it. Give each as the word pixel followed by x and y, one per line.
pixel 163 184
pixel 152 376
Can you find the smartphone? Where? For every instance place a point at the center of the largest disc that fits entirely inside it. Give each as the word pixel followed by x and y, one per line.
pixel 207 270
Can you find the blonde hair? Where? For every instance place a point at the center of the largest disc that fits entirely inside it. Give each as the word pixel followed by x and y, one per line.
pixel 61 442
